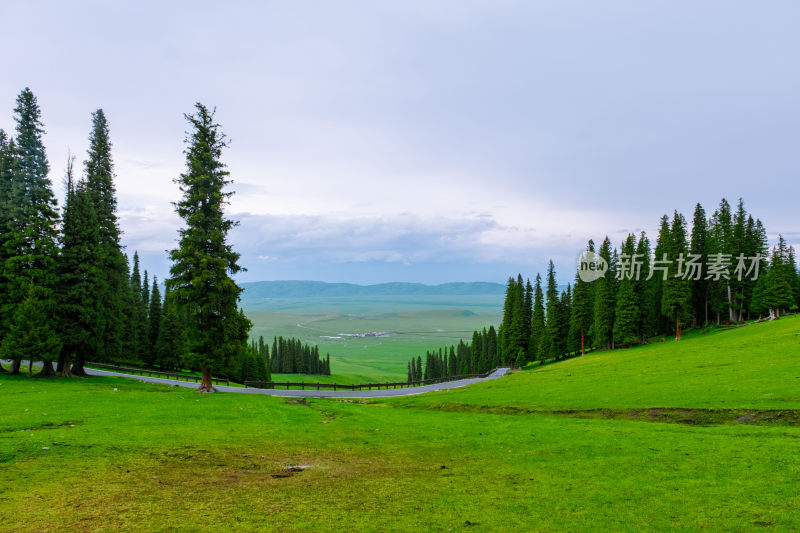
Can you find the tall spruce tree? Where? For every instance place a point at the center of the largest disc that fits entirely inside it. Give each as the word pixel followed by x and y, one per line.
pixel 604 301
pixel 647 308
pixel 491 348
pixel 200 281
pixel 627 313
pixel 739 245
pixel 30 247
pixel 676 295
pixel 7 160
pixel 80 313
pixel 565 310
pixel 779 295
pixel 537 322
pixel 720 246
pixel 554 323
pixel 112 292
pixel 154 319
pixel 658 272
pixel 698 247
pixel 136 316
pixel 582 314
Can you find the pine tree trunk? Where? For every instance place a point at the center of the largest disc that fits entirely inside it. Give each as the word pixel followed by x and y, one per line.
pixel 30 367
pixel 678 329
pixel 206 385
pixel 64 367
pixel 47 370
pixel 15 365
pixel 730 306
pixel 77 367
pixel 583 351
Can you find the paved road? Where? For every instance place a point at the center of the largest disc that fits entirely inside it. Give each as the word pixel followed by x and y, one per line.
pixel 408 391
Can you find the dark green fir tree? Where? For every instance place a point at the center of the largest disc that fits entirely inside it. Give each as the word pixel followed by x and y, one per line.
pixel 200 282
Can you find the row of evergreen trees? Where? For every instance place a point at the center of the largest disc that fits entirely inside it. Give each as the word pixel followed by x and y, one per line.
pixel 68 293
pixel 288 356
pixel 478 357
pixel 722 271
pixel 65 292
pixel 291 356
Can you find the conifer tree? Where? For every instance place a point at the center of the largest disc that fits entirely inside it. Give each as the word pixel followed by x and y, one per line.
pixel 475 359
pixel 647 309
pixel 137 319
pixel 491 347
pixel 676 296
pixel 604 302
pixel 582 314
pixel 779 295
pixel 527 318
pixel 793 277
pixel 30 247
pixel 537 322
pixel 203 262
pixel 112 292
pixel 657 273
pixel 552 324
pixel 720 239
pixel 485 359
pixel 82 320
pixel 7 161
pixel 564 312
pixel 154 319
pixel 31 335
pixel 145 297
pixel 509 306
pixel 170 344
pixel 739 244
pixel 699 248
pixel 627 314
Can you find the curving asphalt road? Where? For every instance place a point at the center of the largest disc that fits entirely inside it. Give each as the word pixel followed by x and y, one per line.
pixel 408 391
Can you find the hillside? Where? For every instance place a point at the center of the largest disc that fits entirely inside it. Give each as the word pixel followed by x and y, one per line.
pixel 755 366
pixel 320 289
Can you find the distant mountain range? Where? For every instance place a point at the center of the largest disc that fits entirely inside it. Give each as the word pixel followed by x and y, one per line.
pixel 259 290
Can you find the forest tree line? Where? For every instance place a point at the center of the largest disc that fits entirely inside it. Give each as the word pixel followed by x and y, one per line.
pixel 633 302
pixel 68 292
pixel 477 357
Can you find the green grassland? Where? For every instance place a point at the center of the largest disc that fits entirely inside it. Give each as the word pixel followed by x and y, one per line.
pixel 431 325
pixel 582 445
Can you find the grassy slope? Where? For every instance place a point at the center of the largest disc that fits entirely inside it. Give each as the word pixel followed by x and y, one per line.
pixel 756 366
pixel 148 457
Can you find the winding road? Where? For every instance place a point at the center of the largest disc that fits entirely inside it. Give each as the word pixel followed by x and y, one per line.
pixel 408 391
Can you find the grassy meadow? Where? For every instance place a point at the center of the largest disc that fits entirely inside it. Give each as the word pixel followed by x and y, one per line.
pixel 697 435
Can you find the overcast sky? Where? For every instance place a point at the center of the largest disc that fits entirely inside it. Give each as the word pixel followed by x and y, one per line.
pixel 424 141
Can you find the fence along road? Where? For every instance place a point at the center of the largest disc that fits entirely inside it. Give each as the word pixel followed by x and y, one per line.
pixel 407 391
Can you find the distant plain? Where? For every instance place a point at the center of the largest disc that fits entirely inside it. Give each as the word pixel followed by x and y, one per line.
pixel 412 322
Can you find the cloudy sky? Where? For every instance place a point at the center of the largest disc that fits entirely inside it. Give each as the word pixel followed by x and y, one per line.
pixel 424 141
